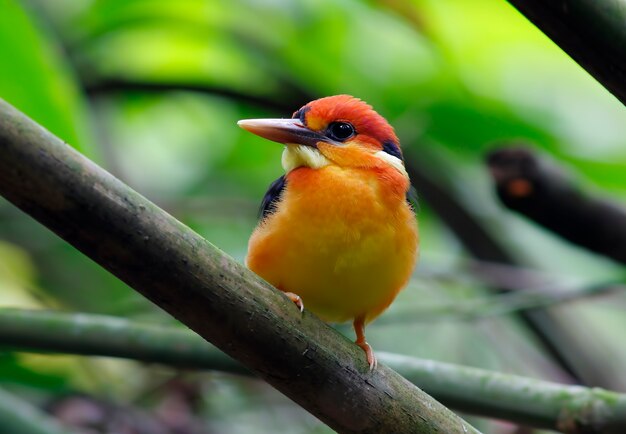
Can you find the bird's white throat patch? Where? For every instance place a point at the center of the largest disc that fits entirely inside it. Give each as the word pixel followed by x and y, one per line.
pixel 295 156
pixel 395 162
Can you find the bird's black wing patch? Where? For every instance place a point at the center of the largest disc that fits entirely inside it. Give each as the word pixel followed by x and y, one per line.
pixel 272 196
pixel 411 198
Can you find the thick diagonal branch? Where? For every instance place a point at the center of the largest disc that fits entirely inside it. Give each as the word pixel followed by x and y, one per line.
pixel 205 289
pixel 592 32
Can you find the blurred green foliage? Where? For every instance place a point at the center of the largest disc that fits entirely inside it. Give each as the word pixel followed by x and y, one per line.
pixel 152 91
pixel 35 78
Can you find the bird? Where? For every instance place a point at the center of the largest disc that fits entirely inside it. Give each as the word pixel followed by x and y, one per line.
pixel 338 231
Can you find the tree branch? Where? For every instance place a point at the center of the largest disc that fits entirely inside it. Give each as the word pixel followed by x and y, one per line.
pixel 99 335
pixel 531 402
pixel 553 336
pixel 592 32
pixel 205 289
pixel 555 331
pixel 501 304
pixel 285 103
pixel 541 404
pixel 533 187
pixel 17 416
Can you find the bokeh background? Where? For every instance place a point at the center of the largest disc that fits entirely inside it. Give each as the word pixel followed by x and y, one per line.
pixel 152 89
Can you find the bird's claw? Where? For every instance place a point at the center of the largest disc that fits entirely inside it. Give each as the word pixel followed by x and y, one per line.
pixel 296 299
pixel 372 361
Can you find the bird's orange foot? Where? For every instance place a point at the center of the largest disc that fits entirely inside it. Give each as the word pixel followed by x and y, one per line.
pixel 369 353
pixel 296 299
pixel 359 328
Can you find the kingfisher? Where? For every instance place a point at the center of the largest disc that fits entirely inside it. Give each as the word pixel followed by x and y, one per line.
pixel 337 232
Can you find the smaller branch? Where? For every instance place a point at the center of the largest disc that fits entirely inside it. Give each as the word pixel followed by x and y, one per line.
pixel 570 409
pixel 471 233
pixel 18 416
pixel 500 304
pixel 553 335
pixel 99 335
pixel 537 189
pixel 541 404
pixel 284 104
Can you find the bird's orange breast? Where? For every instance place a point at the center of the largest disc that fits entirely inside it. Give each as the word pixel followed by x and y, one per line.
pixel 344 239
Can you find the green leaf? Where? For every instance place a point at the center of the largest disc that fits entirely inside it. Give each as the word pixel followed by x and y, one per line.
pixel 35 79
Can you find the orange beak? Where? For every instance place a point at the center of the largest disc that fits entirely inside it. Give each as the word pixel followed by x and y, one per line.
pixel 287 131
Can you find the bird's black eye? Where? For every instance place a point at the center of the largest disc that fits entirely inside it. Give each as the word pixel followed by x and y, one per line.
pixel 340 131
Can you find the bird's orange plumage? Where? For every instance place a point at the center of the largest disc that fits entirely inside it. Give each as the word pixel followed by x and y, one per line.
pixel 342 235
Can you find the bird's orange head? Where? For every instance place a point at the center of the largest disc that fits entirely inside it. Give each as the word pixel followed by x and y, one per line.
pixel 340 130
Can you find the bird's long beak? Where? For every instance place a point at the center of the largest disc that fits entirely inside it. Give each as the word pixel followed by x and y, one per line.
pixel 283 131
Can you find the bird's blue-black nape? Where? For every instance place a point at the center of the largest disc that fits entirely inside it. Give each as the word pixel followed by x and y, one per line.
pixel 272 196
pixel 392 148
